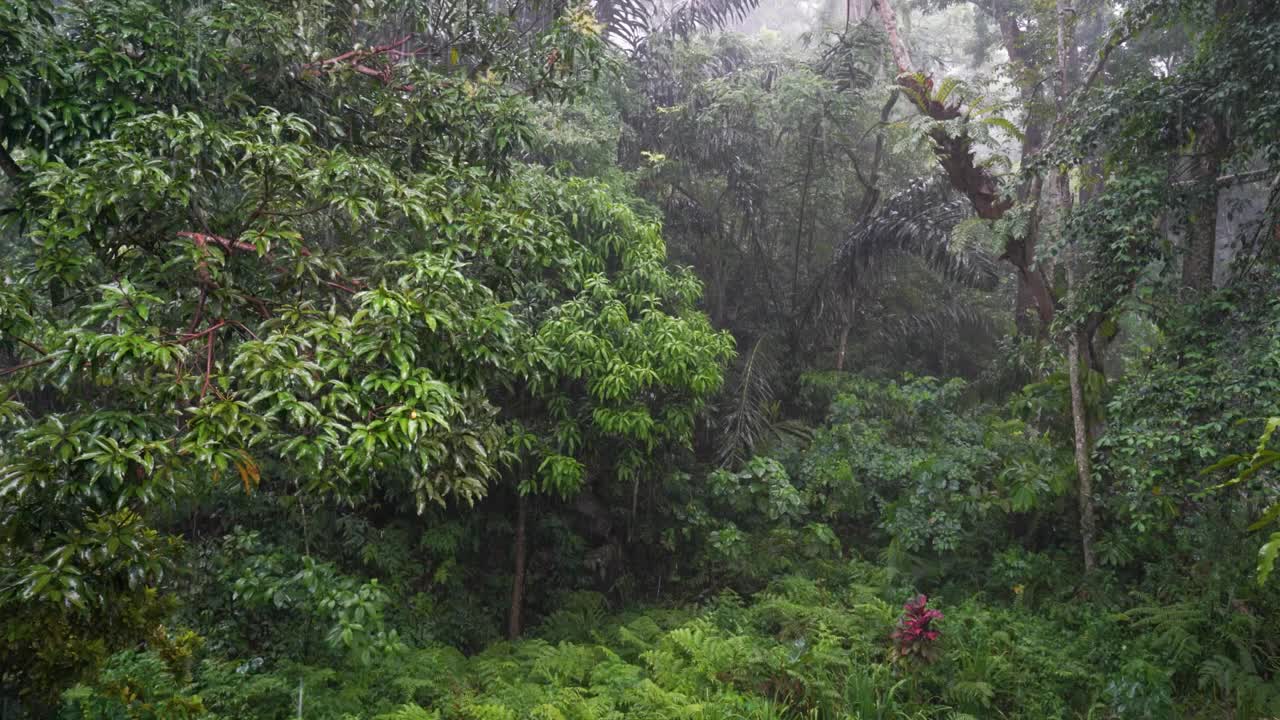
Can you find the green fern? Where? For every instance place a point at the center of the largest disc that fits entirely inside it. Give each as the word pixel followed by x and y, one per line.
pixel 1173 629
pixel 945 88
pixel 409 712
pixel 1004 124
pixel 579 618
pixel 971 693
pixel 488 711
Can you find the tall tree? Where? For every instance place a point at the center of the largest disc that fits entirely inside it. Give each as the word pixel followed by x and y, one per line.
pixel 310 264
pixel 953 146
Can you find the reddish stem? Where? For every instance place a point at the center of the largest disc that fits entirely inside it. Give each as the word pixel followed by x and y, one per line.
pixel 203 239
pixel 192 336
pixel 363 53
pixel 208 365
pixel 339 286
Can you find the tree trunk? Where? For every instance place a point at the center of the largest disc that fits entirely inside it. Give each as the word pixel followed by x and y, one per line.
pixel 804 203
pixel 1202 225
pixel 956 156
pixel 844 345
pixel 873 178
pixel 515 619
pixel 1075 336
pixel 1078 338
pixel 901 57
pixel 1211 144
pixel 1084 489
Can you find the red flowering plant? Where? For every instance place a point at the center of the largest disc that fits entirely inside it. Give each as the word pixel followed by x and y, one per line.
pixel 915 640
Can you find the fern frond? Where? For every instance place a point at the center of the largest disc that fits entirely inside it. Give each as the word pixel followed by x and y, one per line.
pixel 1004 124
pixel 971 692
pixel 409 712
pixel 948 85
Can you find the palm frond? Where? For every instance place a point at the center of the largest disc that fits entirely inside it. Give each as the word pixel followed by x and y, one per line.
pixel 921 221
pixel 747 422
pixel 965 318
pixel 631 22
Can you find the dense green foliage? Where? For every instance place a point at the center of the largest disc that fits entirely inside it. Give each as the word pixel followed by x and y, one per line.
pixel 445 359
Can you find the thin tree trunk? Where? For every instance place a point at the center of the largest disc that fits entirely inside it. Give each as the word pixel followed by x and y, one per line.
pixel 873 178
pixel 515 619
pixel 844 345
pixel 716 295
pixel 1075 339
pixel 804 202
pixel 1084 475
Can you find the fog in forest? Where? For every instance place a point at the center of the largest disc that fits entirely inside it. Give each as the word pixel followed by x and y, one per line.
pixel 707 359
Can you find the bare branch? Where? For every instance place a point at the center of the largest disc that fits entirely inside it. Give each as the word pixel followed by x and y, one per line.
pixel 25 365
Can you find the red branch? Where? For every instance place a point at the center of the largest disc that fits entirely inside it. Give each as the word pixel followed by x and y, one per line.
pixel 195 320
pixel 340 286
pixel 377 50
pixel 245 328
pixel 203 240
pixel 354 58
pixel 192 336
